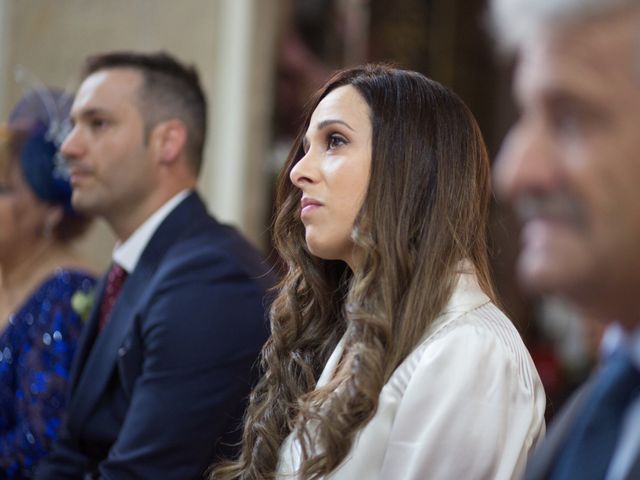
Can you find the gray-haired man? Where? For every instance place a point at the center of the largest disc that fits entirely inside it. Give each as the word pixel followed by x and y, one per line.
pixel 571 168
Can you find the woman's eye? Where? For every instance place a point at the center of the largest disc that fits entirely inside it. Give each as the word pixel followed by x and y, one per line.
pixel 335 141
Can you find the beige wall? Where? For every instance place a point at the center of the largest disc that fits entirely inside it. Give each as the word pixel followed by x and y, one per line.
pixel 230 41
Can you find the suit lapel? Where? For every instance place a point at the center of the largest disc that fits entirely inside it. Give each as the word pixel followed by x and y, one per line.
pixel 87 337
pixel 634 471
pixel 545 456
pixel 100 356
pixel 103 354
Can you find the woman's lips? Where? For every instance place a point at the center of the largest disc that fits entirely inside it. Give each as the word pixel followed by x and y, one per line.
pixel 308 205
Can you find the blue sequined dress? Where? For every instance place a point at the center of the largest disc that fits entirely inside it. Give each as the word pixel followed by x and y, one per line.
pixel 36 349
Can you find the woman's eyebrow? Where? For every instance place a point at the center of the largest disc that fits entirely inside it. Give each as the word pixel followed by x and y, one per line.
pixel 331 121
pixel 322 125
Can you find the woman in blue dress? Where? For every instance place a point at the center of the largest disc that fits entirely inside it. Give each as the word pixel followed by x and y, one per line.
pixel 44 287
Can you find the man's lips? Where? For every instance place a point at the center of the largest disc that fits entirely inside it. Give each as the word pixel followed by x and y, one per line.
pixel 553 208
pixel 75 175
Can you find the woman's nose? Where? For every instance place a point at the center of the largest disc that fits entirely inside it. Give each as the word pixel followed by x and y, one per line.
pixel 302 173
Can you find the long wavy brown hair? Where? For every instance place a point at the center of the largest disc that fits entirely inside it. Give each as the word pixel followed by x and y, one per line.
pixel 424 212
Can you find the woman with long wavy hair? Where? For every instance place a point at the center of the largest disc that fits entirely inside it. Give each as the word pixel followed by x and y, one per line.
pixel 388 358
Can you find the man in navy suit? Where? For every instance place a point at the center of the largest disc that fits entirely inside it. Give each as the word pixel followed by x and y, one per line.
pixel 571 167
pixel 166 360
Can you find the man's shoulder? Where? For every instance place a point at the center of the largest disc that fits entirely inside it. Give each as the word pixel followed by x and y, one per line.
pixel 211 240
pixel 206 248
pixel 191 246
pixel 190 222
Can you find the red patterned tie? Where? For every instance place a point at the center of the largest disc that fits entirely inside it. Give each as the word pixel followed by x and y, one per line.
pixel 115 279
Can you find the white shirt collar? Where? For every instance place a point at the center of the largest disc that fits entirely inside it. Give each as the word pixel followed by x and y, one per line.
pixel 127 253
pixel 615 337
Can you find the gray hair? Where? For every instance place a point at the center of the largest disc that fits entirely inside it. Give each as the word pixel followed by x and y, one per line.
pixel 513 21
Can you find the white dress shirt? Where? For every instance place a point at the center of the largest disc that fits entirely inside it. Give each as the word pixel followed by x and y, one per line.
pixel 127 253
pixel 467 403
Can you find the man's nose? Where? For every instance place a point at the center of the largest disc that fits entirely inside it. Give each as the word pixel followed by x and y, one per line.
pixel 527 162
pixel 72 148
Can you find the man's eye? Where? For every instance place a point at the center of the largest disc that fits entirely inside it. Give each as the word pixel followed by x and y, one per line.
pixel 98 123
pixel 571 120
pixel 568 123
pixel 335 141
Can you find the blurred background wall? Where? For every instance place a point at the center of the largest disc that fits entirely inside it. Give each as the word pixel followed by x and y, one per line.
pixel 260 60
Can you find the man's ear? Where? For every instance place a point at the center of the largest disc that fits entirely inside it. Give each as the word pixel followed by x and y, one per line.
pixel 169 139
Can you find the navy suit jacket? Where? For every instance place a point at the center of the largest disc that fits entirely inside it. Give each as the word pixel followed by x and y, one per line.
pixel 544 458
pixel 160 392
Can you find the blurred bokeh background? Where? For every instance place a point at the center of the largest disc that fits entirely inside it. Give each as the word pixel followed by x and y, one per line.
pixel 259 62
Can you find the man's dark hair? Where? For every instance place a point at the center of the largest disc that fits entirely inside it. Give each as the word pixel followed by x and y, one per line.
pixel 169 90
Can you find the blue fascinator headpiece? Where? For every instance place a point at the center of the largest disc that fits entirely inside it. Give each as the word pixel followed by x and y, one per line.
pixel 43 115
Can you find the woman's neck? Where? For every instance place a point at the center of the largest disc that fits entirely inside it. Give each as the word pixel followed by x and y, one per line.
pixel 21 274
pixel 20 267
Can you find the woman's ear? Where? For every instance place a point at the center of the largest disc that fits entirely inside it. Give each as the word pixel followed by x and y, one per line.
pixel 169 139
pixel 52 219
